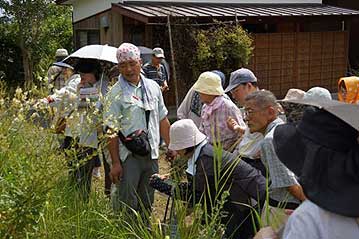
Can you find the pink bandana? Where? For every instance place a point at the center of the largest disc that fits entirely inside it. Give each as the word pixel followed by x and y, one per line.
pixel 127 52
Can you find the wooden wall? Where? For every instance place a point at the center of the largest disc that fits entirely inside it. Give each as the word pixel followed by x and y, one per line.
pixel 299 60
pixel 112 35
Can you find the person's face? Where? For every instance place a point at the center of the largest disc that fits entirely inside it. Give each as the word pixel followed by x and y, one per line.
pixel 130 70
pixel 87 79
pixel 206 99
pixel 67 72
pixel 241 91
pixel 156 60
pixel 258 118
pixel 182 153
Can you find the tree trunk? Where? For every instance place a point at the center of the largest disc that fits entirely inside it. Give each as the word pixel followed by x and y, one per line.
pixel 27 64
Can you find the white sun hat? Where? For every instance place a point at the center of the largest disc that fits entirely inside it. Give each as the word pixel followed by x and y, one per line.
pixel 184 134
pixel 209 83
pixel 317 94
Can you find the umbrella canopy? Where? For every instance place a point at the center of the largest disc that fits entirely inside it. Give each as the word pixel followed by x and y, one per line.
pixel 346 112
pixel 104 53
pixel 145 50
pixel 146 54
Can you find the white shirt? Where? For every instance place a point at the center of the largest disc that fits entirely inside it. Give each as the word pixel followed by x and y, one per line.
pixel 250 145
pixel 191 169
pixel 309 221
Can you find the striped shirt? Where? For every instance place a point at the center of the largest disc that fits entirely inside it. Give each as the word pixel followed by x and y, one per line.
pixel 157 74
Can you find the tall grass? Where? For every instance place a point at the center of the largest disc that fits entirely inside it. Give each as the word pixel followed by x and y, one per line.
pixel 38 201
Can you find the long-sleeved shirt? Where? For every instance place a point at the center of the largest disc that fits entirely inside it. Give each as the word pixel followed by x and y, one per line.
pixel 214 122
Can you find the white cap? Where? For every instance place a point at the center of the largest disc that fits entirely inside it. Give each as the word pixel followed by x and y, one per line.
pixel 317 94
pixel 209 83
pixel 61 53
pixel 184 134
pixel 158 52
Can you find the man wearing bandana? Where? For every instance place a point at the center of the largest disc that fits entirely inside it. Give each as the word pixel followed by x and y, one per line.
pixel 134 103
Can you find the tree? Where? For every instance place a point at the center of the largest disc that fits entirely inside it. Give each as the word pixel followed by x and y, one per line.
pixel 37 27
pixel 224 47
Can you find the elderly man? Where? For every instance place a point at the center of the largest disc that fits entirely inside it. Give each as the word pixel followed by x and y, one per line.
pixel 155 70
pixel 262 116
pixel 134 103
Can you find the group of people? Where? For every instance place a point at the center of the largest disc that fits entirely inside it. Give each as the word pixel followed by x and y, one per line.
pixel 277 140
pixel 309 156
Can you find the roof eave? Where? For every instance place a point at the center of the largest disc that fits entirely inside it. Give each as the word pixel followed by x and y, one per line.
pixel 64 2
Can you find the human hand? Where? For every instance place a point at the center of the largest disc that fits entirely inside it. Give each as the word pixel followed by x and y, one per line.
pixel 266 233
pixel 116 172
pixel 165 87
pixel 161 176
pixel 233 125
pixel 170 155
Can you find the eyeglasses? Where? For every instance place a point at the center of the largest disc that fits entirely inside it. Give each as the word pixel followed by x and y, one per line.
pixel 249 112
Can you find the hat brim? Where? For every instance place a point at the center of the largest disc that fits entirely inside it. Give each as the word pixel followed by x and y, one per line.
pixel 189 143
pixel 289 147
pixel 230 87
pixel 346 112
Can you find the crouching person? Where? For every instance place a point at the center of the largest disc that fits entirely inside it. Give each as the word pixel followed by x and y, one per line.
pixel 134 104
pixel 241 179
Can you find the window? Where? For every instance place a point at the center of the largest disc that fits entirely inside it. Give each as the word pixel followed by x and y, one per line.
pixel 87 37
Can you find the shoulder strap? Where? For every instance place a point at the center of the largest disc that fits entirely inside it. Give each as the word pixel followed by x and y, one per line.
pixel 147 112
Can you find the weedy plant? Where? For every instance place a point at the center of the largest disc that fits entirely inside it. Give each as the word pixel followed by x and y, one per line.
pixel 38 201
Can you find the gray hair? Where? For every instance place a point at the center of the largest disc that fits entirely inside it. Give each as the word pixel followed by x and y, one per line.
pixel 262 98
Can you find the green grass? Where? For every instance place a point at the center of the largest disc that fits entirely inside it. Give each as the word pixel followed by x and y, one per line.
pixel 37 200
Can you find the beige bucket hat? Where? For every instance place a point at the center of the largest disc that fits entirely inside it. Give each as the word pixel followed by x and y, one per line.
pixel 294 94
pixel 184 134
pixel 209 83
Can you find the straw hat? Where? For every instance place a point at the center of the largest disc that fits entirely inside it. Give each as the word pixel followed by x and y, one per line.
pixel 184 134
pixel 209 83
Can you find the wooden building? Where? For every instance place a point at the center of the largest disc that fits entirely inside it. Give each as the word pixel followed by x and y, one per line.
pixel 298 44
pixel 354 30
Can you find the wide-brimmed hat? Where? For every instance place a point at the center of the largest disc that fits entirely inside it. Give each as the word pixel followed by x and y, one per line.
pixel 240 76
pixel 317 94
pixel 184 134
pixel 293 112
pixel 322 149
pixel 222 76
pixel 209 83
